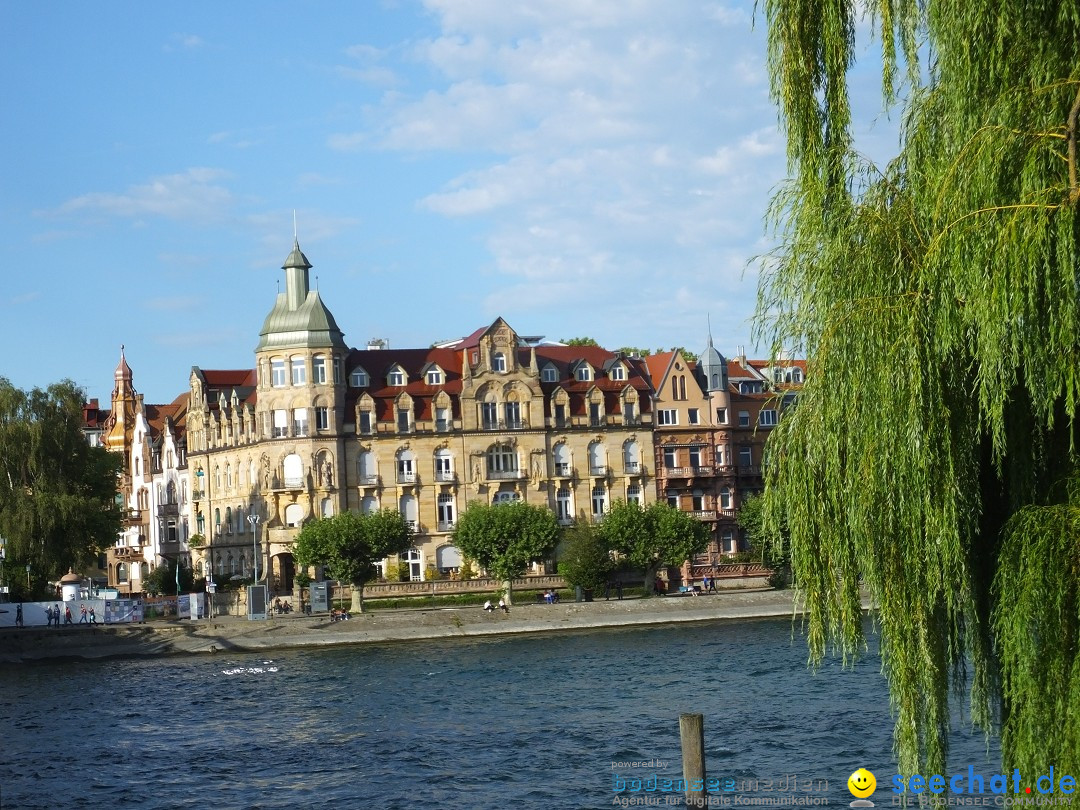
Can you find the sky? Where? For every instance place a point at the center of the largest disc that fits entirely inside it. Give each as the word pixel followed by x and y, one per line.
pixel 589 168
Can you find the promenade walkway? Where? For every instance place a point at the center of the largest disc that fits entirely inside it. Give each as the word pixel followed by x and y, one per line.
pixel 296 631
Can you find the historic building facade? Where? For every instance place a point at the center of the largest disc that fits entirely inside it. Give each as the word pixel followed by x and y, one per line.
pixel 154 481
pixel 224 478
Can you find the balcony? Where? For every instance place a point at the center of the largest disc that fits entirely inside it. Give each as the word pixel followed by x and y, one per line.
pixel 442 425
pixel 504 475
pixel 727 514
pixel 445 525
pixel 563 471
pixel 197 495
pixel 561 423
pixel 565 520
pixel 631 468
pixel 598 471
pixel 445 476
pixel 687 472
pixel 369 480
pixel 168 510
pixel 749 470
pixel 406 477
pixel 504 424
pixel 703 514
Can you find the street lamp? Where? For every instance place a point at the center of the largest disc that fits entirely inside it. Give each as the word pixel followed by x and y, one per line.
pixel 254 521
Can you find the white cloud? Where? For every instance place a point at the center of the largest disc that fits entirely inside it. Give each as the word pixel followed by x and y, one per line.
pixel 191 195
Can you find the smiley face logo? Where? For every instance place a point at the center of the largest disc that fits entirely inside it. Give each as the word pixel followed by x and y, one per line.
pixel 862 783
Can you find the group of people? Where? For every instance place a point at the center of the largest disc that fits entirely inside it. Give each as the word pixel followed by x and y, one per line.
pixel 709 584
pixel 550 596
pixel 490 608
pixel 282 607
pixel 54 614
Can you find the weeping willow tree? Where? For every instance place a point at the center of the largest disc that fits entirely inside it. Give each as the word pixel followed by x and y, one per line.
pixel 932 458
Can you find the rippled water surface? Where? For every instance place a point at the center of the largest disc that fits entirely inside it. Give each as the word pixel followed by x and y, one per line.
pixel 524 722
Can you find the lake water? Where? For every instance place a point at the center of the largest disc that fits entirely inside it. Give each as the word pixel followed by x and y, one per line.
pixel 519 722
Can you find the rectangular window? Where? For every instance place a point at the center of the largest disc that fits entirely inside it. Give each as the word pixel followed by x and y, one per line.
pixel 403 422
pixel 300 423
pixel 281 423
pixel 322 418
pixel 299 371
pixel 277 373
pixel 446 512
pixel 667 417
pixel 442 419
pixel 434 377
pixel 695 456
pixel 337 371
pixel 560 416
pixel 746 457
pixel 670 458
pixel 594 414
pixel 618 372
pixel 365 421
pixel 744 418
pixel 629 417
pixel 692 416
pixel 513 415
pixel 767 418
pixel 489 415
pixel 551 374
pixel 672 499
pixel 318 370
pixel 721 416
pixel 396 377
pixel 358 379
pixel 633 494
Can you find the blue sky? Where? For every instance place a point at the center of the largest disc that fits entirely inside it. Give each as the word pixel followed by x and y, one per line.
pixel 579 167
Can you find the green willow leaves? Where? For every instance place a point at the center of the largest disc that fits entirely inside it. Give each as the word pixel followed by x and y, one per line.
pixel 930 453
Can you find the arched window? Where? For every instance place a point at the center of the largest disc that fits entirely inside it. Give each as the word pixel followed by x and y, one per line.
pixel 407 507
pixel 597 459
pixel 444 465
pixel 406 467
pixel 293 467
pixel 561 457
pixel 366 468
pixel 633 494
pixel 121 572
pixel 631 458
pixel 228 520
pixel 294 514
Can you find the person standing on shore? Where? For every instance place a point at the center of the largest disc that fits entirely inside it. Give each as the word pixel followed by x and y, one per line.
pixel 67 615
pixel 18 616
pixel 82 615
pixel 93 615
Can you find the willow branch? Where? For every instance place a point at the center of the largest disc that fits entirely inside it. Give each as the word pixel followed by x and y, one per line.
pixel 1074 114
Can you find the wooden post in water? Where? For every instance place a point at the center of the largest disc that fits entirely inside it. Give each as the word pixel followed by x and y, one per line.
pixel 692 738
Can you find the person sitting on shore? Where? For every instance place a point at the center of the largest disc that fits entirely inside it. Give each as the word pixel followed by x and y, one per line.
pixel 488 606
pixel 505 608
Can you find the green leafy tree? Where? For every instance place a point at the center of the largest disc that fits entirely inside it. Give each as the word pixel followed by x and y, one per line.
pixel 348 545
pixel 58 495
pixel 774 551
pixel 932 455
pixel 580 341
pixel 505 539
pixel 653 536
pixel 584 558
pixel 162 580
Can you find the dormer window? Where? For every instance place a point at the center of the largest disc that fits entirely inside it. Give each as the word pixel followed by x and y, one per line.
pixel 550 374
pixel 618 372
pixel 498 362
pixel 777 375
pixel 583 373
pixel 434 376
pixel 395 377
pixel 358 378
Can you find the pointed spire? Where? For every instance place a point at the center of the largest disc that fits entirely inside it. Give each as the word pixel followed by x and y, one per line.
pixel 123 370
